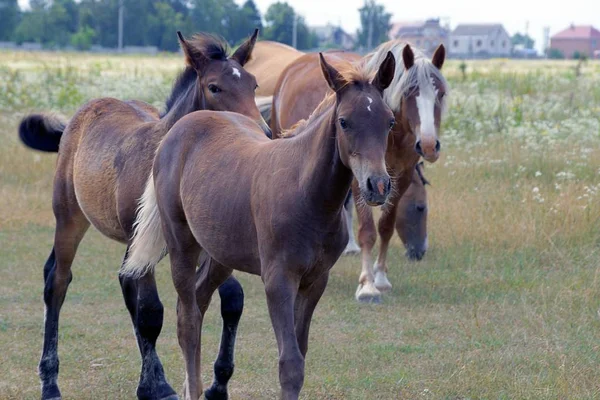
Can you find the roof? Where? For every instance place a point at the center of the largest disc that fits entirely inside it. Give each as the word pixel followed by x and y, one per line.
pixel 413 28
pixel 476 29
pixel 578 32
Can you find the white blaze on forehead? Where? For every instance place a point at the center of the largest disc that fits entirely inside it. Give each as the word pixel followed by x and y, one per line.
pixel 237 72
pixel 426 106
pixel 370 101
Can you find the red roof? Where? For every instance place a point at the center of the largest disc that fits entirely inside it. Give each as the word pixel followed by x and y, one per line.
pixel 578 32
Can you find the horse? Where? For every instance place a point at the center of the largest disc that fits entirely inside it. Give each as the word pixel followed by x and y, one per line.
pixel 417 97
pixel 212 198
pixel 268 60
pixel 105 154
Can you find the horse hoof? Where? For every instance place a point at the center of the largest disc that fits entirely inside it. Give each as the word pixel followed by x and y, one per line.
pixel 381 281
pixel 215 394
pixel 51 392
pixel 170 397
pixel 351 249
pixel 368 293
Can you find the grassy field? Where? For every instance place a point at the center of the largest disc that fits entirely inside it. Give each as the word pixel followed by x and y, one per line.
pixel 505 305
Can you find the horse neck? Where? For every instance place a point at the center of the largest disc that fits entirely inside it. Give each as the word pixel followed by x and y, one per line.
pixel 324 178
pixel 188 102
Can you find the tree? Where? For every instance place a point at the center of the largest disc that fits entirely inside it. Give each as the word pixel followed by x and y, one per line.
pixel 248 19
pixel 555 54
pixel 215 16
pixel 374 23
pixel 280 25
pixel 524 40
pixel 9 9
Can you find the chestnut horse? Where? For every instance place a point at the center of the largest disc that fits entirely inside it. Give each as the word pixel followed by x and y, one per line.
pixel 416 95
pixel 106 152
pixel 215 197
pixel 268 60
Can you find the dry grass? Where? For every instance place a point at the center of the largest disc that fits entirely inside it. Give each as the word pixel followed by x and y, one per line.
pixel 504 305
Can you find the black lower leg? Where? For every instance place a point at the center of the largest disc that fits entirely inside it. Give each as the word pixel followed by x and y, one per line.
pixel 53 300
pixel 232 305
pixel 146 310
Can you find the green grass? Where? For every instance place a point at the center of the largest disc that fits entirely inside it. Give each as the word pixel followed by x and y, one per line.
pixel 504 305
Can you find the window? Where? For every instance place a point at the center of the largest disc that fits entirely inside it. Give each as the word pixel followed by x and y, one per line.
pixel 479 43
pixel 456 43
pixel 503 43
pixel 492 43
pixel 594 43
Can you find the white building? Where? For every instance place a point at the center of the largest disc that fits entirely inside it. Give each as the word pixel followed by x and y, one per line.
pixel 479 40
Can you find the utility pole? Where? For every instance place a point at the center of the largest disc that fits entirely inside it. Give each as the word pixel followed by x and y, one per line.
pixel 120 44
pixel 370 33
pixel 295 31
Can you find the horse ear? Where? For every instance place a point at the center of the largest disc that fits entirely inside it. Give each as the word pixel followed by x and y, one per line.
pixel 408 57
pixel 439 55
pixel 243 53
pixel 335 80
pixel 386 72
pixel 193 58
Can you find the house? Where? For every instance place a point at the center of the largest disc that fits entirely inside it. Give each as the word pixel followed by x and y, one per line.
pixel 479 40
pixel 576 39
pixel 331 36
pixel 425 35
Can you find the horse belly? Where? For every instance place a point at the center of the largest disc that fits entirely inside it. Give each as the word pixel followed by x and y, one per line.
pixel 95 182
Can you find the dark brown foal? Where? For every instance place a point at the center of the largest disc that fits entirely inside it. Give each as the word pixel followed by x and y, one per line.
pixel 105 155
pixel 270 208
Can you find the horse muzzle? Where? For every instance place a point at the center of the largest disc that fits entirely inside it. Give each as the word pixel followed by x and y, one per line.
pixel 377 190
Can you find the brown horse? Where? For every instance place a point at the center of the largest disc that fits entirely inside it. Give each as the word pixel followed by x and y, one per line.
pixel 268 60
pixel 106 152
pixel 411 223
pixel 416 95
pixel 212 197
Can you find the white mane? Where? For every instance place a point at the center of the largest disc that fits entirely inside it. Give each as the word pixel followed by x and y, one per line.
pixel 419 76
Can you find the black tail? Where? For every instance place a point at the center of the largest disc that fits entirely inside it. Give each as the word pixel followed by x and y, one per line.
pixel 42 132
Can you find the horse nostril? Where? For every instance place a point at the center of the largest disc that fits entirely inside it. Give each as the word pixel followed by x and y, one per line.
pixel 438 146
pixel 370 185
pixel 388 185
pixel 418 148
pixel 420 208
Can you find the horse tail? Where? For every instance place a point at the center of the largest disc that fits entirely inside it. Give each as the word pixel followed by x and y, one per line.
pixel 42 131
pixel 148 245
pixel 264 104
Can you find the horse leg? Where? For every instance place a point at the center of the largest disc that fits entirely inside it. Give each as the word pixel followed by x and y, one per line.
pixel 366 291
pixel 209 276
pixel 146 311
pixel 385 228
pixel 306 302
pixel 281 290
pixel 71 226
pixel 352 247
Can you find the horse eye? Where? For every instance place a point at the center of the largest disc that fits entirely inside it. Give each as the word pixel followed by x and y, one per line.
pixel 442 95
pixel 256 87
pixel 392 123
pixel 213 88
pixel 343 123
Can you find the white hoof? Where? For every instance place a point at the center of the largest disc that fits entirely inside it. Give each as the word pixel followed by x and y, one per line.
pixel 351 248
pixel 381 281
pixel 367 293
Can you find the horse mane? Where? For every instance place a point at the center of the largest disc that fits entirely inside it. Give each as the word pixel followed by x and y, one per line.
pixel 202 45
pixel 419 76
pixel 353 75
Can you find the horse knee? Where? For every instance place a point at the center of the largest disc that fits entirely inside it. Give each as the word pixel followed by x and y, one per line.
pixel 232 300
pixel 367 237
